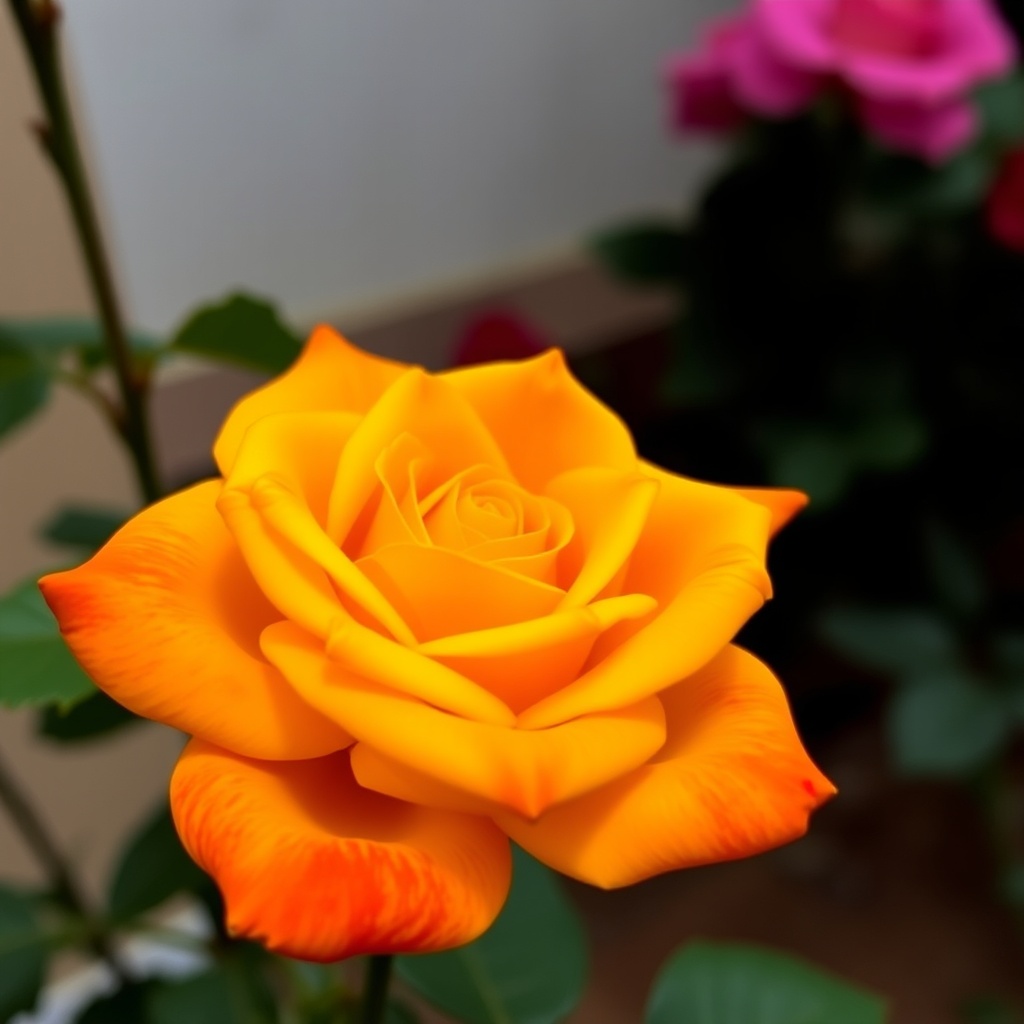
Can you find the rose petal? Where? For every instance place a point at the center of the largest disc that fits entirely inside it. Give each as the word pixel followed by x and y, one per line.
pixel 316 867
pixel 797 31
pixel 363 654
pixel 543 419
pixel 702 556
pixel 609 509
pixel 440 593
pixel 432 411
pixel 931 132
pixel 526 771
pixel 330 375
pixel 295 562
pixel 781 503
pixel 166 619
pixel 732 780
pixel 525 662
pixel 301 449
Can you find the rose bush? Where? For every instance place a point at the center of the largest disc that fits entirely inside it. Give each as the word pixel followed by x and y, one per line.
pixel 420 614
pixel 909 66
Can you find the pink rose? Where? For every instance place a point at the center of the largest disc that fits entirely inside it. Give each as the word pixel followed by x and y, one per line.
pixel 1004 210
pixel 908 64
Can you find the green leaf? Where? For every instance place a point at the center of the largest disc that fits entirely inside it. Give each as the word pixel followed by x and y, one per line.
pixel 959 184
pixel 83 526
pixel 896 640
pixel 645 253
pixel 153 867
pixel 988 1010
pixel 529 968
pixel 1001 105
pixel 24 385
pixel 947 725
pixel 204 999
pixel 36 668
pixel 712 983
pixel 89 719
pixel 809 459
pixel 1011 885
pixel 242 329
pixel 400 1013
pixel 957 577
pixel 888 442
pixel 23 953
pixel 48 337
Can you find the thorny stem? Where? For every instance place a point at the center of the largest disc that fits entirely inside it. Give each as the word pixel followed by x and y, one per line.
pixel 37 21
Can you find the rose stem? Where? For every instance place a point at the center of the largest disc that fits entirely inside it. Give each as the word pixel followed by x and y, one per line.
pixel 37 22
pixel 63 883
pixel 375 993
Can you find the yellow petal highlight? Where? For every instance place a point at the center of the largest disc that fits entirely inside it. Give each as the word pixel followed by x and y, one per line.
pixel 287 537
pixel 318 868
pixel 544 420
pixel 166 619
pixel 330 375
pixel 302 449
pixel 702 556
pixel 732 780
pixel 428 409
pixel 439 592
pixel 609 509
pixel 781 503
pixel 365 654
pixel 525 771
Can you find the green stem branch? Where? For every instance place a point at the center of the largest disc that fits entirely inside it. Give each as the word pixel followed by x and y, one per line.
pixel 375 992
pixel 62 881
pixel 37 22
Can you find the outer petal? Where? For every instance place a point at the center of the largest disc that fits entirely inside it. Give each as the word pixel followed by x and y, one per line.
pixel 796 31
pixel 978 45
pixel 330 375
pixel 781 503
pixel 543 419
pixel 316 867
pixel 702 556
pixel 527 771
pixel 931 132
pixel 732 780
pixel 166 619
pixel 768 83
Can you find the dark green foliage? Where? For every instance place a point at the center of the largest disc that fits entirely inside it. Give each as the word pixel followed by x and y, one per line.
pixel 242 329
pixel 529 968
pixel 713 983
pixel 153 867
pixel 36 668
pixel 92 718
pixel 82 526
pixel 23 953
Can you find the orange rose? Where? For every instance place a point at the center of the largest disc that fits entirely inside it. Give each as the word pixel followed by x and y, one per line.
pixel 420 614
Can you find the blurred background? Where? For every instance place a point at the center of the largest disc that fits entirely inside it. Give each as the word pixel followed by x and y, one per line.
pixel 781 287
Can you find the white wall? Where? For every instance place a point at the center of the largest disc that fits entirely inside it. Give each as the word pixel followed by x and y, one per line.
pixel 335 151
